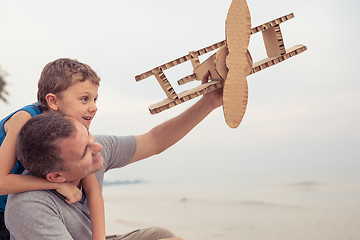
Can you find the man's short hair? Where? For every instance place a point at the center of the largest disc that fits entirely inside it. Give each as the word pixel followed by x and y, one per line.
pixel 59 75
pixel 37 143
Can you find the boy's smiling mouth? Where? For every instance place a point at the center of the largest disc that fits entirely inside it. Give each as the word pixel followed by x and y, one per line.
pixel 87 118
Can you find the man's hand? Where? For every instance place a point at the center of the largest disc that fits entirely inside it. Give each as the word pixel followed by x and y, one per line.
pixel 168 133
pixel 215 98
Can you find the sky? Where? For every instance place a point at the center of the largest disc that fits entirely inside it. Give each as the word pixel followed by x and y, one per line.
pixel 301 122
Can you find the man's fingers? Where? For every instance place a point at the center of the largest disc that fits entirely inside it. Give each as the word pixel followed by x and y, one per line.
pixel 205 77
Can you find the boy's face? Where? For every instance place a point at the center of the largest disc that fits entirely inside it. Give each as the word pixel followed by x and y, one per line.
pixel 79 101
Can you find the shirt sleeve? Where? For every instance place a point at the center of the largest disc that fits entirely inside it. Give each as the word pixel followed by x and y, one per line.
pixel 117 150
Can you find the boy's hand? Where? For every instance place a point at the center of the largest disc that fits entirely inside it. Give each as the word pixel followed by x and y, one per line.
pixel 215 98
pixel 71 193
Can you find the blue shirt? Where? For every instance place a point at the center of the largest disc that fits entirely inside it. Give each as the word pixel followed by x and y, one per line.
pixel 18 169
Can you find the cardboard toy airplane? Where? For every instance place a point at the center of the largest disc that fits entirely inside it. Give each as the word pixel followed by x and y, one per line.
pixel 229 66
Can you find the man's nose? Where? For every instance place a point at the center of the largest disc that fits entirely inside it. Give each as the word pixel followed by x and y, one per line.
pixel 97 147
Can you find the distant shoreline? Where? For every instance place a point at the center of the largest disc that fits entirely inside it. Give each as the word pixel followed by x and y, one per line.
pixel 124 182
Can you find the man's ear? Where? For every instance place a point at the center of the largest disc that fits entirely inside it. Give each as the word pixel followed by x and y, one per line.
pixel 52 100
pixel 55 177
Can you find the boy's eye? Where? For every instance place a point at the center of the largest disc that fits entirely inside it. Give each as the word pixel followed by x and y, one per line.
pixel 84 98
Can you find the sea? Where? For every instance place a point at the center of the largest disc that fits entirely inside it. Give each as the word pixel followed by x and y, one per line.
pixel 234 211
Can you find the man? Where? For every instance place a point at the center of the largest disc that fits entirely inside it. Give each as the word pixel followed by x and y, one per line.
pixel 61 149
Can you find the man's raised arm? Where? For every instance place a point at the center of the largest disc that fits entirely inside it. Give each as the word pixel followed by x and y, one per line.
pixel 168 133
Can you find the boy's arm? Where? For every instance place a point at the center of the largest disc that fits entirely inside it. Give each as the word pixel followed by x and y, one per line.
pixel 167 134
pixel 96 206
pixel 8 147
pixel 15 183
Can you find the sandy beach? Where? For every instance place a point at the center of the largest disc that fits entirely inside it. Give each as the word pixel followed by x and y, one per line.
pixel 233 211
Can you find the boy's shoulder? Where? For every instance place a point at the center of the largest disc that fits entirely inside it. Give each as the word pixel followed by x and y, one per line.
pixel 32 109
pixel 21 115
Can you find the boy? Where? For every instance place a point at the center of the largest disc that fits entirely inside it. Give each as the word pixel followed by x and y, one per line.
pixel 71 88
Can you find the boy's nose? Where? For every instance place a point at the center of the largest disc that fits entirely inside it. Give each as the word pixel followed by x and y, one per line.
pixel 93 108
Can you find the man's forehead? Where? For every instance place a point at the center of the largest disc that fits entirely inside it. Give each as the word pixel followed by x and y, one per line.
pixel 77 123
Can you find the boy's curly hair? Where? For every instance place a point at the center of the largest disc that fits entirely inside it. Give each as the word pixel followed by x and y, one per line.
pixel 59 75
